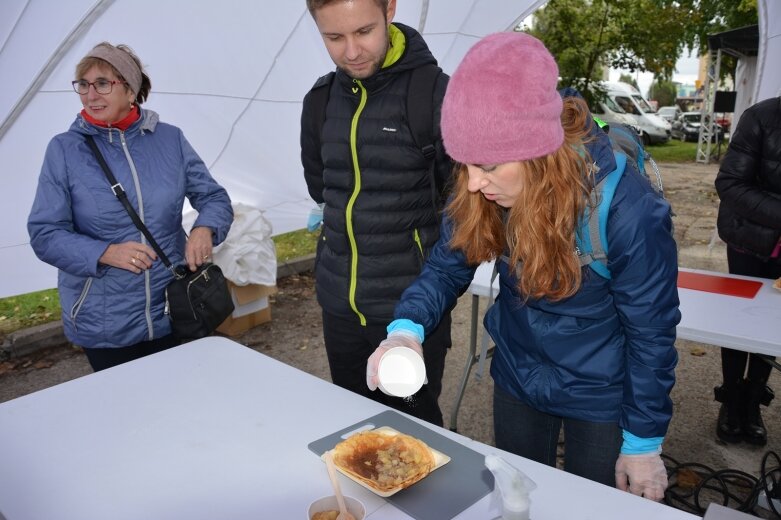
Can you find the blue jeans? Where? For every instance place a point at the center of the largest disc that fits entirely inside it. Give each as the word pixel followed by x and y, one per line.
pixel 590 448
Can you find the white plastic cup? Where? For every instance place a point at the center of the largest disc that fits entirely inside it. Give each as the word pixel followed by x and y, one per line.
pixel 401 372
pixel 354 506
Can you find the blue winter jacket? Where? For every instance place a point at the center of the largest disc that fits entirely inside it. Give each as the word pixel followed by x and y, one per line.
pixel 606 354
pixel 75 217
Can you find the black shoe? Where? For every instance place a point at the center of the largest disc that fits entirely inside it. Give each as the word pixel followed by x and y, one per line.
pixel 754 431
pixel 728 427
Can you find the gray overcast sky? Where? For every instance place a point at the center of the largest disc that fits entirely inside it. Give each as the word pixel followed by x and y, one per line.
pixel 685 72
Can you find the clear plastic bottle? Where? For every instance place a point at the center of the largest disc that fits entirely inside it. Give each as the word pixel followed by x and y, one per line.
pixel 514 487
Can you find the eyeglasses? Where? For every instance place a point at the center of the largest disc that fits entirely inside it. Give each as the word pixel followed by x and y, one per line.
pixel 102 86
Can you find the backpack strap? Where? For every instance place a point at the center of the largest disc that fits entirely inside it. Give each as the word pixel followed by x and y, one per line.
pixel 420 115
pixel 318 99
pixel 591 239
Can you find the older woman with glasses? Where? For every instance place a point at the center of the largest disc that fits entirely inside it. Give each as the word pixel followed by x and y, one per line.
pixel 111 283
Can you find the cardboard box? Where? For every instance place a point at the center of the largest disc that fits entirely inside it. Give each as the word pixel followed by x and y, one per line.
pixel 250 298
pixel 235 326
pixel 251 308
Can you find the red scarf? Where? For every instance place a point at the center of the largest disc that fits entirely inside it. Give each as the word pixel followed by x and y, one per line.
pixel 123 125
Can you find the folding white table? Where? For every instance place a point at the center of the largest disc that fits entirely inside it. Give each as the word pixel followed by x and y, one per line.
pixel 213 429
pixel 748 324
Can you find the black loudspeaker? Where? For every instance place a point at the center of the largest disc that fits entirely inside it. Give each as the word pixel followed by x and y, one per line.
pixel 724 101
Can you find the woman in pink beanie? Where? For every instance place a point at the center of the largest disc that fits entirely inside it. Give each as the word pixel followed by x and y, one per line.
pixel 592 353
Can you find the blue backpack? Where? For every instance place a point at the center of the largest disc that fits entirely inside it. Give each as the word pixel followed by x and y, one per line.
pixel 591 239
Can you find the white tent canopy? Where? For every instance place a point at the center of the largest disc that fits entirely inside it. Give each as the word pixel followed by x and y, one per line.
pixel 231 75
pixel 768 78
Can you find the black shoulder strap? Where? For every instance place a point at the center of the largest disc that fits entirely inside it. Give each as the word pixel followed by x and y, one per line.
pixel 420 107
pixel 119 191
pixel 318 98
pixel 420 114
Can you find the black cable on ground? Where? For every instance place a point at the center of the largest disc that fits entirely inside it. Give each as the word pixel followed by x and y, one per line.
pixel 694 486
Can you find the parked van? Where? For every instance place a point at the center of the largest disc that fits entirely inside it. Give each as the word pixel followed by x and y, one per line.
pixel 610 113
pixel 654 129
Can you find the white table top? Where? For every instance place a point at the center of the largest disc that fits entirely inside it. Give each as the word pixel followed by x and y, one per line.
pixel 748 324
pixel 213 429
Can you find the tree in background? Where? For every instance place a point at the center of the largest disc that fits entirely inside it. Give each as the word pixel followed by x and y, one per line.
pixel 715 16
pixel 706 17
pixel 586 36
pixel 663 92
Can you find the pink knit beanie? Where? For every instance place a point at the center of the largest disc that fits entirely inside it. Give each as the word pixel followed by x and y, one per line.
pixel 501 104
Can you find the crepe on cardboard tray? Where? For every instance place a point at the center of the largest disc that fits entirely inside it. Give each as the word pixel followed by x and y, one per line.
pixel 384 460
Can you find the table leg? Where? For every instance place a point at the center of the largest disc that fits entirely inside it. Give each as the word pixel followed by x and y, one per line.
pixel 470 361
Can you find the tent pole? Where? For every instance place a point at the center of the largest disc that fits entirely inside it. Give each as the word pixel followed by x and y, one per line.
pixel 423 16
pixel 52 63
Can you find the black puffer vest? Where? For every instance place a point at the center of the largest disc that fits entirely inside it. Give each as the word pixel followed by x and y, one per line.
pixel 379 218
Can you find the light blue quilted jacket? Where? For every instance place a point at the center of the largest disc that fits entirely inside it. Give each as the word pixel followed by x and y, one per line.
pixel 75 216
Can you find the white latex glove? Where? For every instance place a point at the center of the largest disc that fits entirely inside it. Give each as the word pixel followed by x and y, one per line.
pixel 643 475
pixel 315 219
pixel 398 338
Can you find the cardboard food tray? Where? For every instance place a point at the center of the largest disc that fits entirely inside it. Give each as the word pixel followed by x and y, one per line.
pixel 440 459
pixel 442 494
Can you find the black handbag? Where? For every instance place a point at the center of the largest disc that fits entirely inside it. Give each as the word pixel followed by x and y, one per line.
pixel 196 302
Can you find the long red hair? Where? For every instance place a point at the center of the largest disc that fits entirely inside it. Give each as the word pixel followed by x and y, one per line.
pixel 540 227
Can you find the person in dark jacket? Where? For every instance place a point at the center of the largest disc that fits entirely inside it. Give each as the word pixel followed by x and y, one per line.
pixel 111 283
pixel 573 348
pixel 749 221
pixel 380 219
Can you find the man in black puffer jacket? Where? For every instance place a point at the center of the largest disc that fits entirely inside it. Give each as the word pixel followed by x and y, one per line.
pixel 380 211
pixel 749 185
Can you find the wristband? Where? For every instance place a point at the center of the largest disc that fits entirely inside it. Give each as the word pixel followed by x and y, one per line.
pixel 634 445
pixel 405 325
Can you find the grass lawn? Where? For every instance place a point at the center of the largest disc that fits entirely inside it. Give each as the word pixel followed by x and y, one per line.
pixel 677 152
pixel 26 310
pixel 37 308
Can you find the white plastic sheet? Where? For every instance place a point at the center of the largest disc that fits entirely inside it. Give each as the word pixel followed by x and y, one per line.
pixel 247 256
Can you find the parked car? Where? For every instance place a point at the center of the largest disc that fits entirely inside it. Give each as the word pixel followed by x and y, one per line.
pixel 669 114
pixel 725 122
pixel 687 128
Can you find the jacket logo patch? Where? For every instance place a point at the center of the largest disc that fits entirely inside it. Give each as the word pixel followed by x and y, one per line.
pixel 386 129
pixel 355 90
